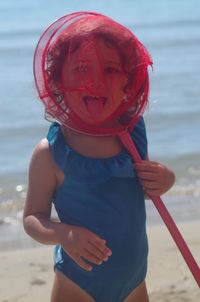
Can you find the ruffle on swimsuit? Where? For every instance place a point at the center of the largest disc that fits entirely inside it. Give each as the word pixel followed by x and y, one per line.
pixel 94 170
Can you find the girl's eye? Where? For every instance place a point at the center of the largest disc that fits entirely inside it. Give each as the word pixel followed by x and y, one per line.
pixel 82 68
pixel 112 70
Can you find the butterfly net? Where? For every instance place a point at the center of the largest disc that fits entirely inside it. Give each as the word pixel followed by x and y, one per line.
pixel 91 73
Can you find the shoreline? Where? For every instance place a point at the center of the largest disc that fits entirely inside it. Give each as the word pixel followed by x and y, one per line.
pixel 30 270
pixel 13 236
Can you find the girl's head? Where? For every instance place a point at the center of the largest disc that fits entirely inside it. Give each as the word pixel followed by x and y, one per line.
pixel 95 73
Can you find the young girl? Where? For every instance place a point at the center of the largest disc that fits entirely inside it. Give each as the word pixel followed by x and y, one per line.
pixel 98 192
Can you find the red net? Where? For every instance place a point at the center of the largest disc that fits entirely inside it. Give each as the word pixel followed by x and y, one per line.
pixel 92 74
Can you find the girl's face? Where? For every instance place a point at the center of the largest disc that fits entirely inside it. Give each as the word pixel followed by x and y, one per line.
pixel 93 81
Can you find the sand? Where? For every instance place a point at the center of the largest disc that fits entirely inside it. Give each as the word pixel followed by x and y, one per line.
pixel 169 278
pixel 27 275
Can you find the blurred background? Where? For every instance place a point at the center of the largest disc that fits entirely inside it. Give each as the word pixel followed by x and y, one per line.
pixel 171 32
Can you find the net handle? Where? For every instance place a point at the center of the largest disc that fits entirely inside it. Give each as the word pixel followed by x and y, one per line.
pixel 165 215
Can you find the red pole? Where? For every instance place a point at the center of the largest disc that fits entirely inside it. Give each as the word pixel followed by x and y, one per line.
pixel 165 215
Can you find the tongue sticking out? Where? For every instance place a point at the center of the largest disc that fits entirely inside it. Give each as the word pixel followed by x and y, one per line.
pixel 94 105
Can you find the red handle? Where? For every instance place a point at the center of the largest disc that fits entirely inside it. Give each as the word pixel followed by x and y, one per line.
pixel 166 217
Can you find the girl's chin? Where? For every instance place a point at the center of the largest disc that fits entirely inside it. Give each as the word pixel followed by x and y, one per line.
pixel 92 118
pixel 100 122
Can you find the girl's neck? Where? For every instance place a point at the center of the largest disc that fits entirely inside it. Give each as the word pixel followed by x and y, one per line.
pixel 92 146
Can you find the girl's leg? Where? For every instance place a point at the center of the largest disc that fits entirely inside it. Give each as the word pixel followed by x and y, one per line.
pixel 65 290
pixel 139 294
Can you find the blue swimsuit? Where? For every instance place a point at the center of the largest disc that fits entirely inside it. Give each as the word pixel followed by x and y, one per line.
pixel 103 195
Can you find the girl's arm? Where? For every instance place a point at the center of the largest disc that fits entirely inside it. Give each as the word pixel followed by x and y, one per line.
pixel 42 184
pixel 77 242
pixel 155 177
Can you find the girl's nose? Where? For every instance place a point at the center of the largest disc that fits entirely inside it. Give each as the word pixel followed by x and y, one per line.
pixel 96 87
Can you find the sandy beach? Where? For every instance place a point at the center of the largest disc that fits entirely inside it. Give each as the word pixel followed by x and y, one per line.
pixel 27 275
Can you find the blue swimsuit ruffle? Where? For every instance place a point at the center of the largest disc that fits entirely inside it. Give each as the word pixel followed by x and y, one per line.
pixel 87 170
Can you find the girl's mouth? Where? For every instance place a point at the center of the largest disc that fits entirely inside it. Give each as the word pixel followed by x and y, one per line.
pixel 94 104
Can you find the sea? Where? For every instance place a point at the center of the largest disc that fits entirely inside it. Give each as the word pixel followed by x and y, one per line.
pixel 170 29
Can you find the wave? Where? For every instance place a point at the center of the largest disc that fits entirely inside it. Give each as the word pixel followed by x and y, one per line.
pixel 176 42
pixel 20 50
pixel 166 24
pixel 20 32
pixel 145 25
pixel 166 118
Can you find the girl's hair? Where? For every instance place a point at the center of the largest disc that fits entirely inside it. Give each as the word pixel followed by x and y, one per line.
pixel 132 52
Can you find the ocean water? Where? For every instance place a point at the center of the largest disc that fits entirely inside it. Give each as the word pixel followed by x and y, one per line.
pixel 171 32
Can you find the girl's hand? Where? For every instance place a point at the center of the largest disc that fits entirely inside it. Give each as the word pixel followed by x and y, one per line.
pixel 155 178
pixel 80 243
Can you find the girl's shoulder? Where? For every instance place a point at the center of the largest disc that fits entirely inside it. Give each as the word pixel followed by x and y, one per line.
pixel 42 163
pixel 42 152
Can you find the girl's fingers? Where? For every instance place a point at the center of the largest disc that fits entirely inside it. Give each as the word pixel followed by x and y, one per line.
pixel 149 185
pixel 91 257
pixel 100 244
pixel 100 253
pixel 153 192
pixel 97 239
pixel 146 175
pixel 146 167
pixel 82 263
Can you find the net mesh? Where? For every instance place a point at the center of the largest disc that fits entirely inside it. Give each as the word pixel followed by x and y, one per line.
pixel 91 73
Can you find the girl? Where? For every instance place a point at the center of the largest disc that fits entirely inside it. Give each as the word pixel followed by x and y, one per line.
pixel 101 248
